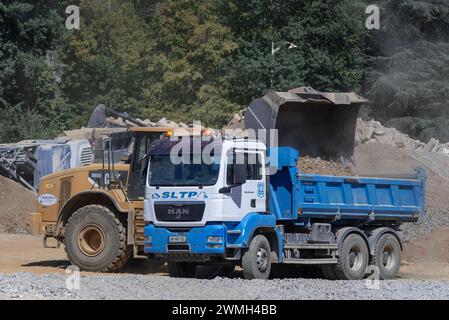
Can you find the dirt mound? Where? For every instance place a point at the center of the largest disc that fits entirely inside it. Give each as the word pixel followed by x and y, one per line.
pixel 376 158
pixel 427 258
pixel 15 202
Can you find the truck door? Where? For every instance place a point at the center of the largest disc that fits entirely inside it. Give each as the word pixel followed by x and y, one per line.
pixel 249 196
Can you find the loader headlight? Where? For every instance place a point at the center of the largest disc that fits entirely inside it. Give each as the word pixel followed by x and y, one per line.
pixel 215 239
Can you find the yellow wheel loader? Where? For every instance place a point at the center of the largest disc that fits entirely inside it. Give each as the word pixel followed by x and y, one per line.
pixel 97 210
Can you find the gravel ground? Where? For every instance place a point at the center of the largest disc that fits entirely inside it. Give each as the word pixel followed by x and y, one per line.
pixel 53 286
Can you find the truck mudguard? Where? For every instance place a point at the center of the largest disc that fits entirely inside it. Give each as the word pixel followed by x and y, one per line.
pixel 249 224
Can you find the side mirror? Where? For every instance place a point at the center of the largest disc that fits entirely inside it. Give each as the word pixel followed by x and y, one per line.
pixel 125 158
pixel 224 190
pixel 239 174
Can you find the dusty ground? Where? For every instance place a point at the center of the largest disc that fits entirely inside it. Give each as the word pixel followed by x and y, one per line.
pixel 25 253
pixel 38 273
pixel 424 259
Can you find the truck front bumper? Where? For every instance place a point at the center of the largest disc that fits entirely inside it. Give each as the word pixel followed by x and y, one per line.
pixel 207 240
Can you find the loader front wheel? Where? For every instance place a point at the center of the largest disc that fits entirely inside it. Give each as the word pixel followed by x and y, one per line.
pixel 95 240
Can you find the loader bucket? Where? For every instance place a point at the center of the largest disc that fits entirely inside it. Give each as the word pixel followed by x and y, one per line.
pixel 317 124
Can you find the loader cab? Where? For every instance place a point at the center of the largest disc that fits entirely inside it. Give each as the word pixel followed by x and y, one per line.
pixel 142 139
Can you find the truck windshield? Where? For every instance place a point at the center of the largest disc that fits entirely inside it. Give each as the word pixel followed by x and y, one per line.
pixel 191 171
pixel 163 172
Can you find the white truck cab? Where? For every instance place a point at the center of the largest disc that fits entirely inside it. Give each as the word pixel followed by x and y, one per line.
pixel 193 194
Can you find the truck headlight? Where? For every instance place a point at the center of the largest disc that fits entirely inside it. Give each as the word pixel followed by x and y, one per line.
pixel 215 239
pixel 148 239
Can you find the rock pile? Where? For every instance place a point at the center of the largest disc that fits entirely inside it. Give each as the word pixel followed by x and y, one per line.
pixel 374 132
pixel 311 165
pixel 161 123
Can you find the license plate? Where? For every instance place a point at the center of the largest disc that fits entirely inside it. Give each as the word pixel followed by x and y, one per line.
pixel 177 239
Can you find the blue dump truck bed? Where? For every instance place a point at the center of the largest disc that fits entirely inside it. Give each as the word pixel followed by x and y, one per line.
pixel 308 196
pixel 360 198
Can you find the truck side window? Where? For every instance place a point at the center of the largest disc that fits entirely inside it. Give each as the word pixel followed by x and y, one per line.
pixel 254 171
pixel 231 158
pixel 253 163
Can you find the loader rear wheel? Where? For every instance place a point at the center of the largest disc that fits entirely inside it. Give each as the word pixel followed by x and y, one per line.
pixel 256 261
pixel 353 258
pixel 95 240
pixel 387 256
pixel 181 269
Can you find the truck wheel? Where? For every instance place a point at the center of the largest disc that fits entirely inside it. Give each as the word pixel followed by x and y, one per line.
pixel 95 240
pixel 181 269
pixel 387 256
pixel 353 258
pixel 256 262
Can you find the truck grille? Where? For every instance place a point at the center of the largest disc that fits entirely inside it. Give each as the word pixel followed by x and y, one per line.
pixel 180 211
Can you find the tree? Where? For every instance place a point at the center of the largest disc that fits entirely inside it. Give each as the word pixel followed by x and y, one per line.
pixel 407 72
pixel 186 77
pixel 28 34
pixel 106 58
pixel 328 38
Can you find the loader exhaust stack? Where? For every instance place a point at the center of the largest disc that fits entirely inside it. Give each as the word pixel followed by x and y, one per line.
pixel 318 124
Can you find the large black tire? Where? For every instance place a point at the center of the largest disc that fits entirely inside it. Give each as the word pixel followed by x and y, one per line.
pixel 95 240
pixel 256 261
pixel 387 256
pixel 353 258
pixel 181 269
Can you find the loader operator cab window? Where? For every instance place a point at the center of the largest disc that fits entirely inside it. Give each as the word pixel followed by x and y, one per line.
pixel 139 164
pixel 141 144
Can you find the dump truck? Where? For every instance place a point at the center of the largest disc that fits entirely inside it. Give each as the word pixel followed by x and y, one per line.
pixel 244 203
pixel 232 212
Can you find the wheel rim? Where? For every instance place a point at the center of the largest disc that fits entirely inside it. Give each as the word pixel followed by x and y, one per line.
pixel 91 240
pixel 355 258
pixel 262 259
pixel 388 258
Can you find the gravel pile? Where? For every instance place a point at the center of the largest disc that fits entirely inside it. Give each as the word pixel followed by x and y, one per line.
pixel 310 165
pixel 376 158
pixel 53 286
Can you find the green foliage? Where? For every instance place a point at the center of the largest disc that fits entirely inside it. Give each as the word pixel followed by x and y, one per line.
pixel 189 46
pixel 328 36
pixel 204 60
pixel 407 79
pixel 27 31
pixel 105 60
